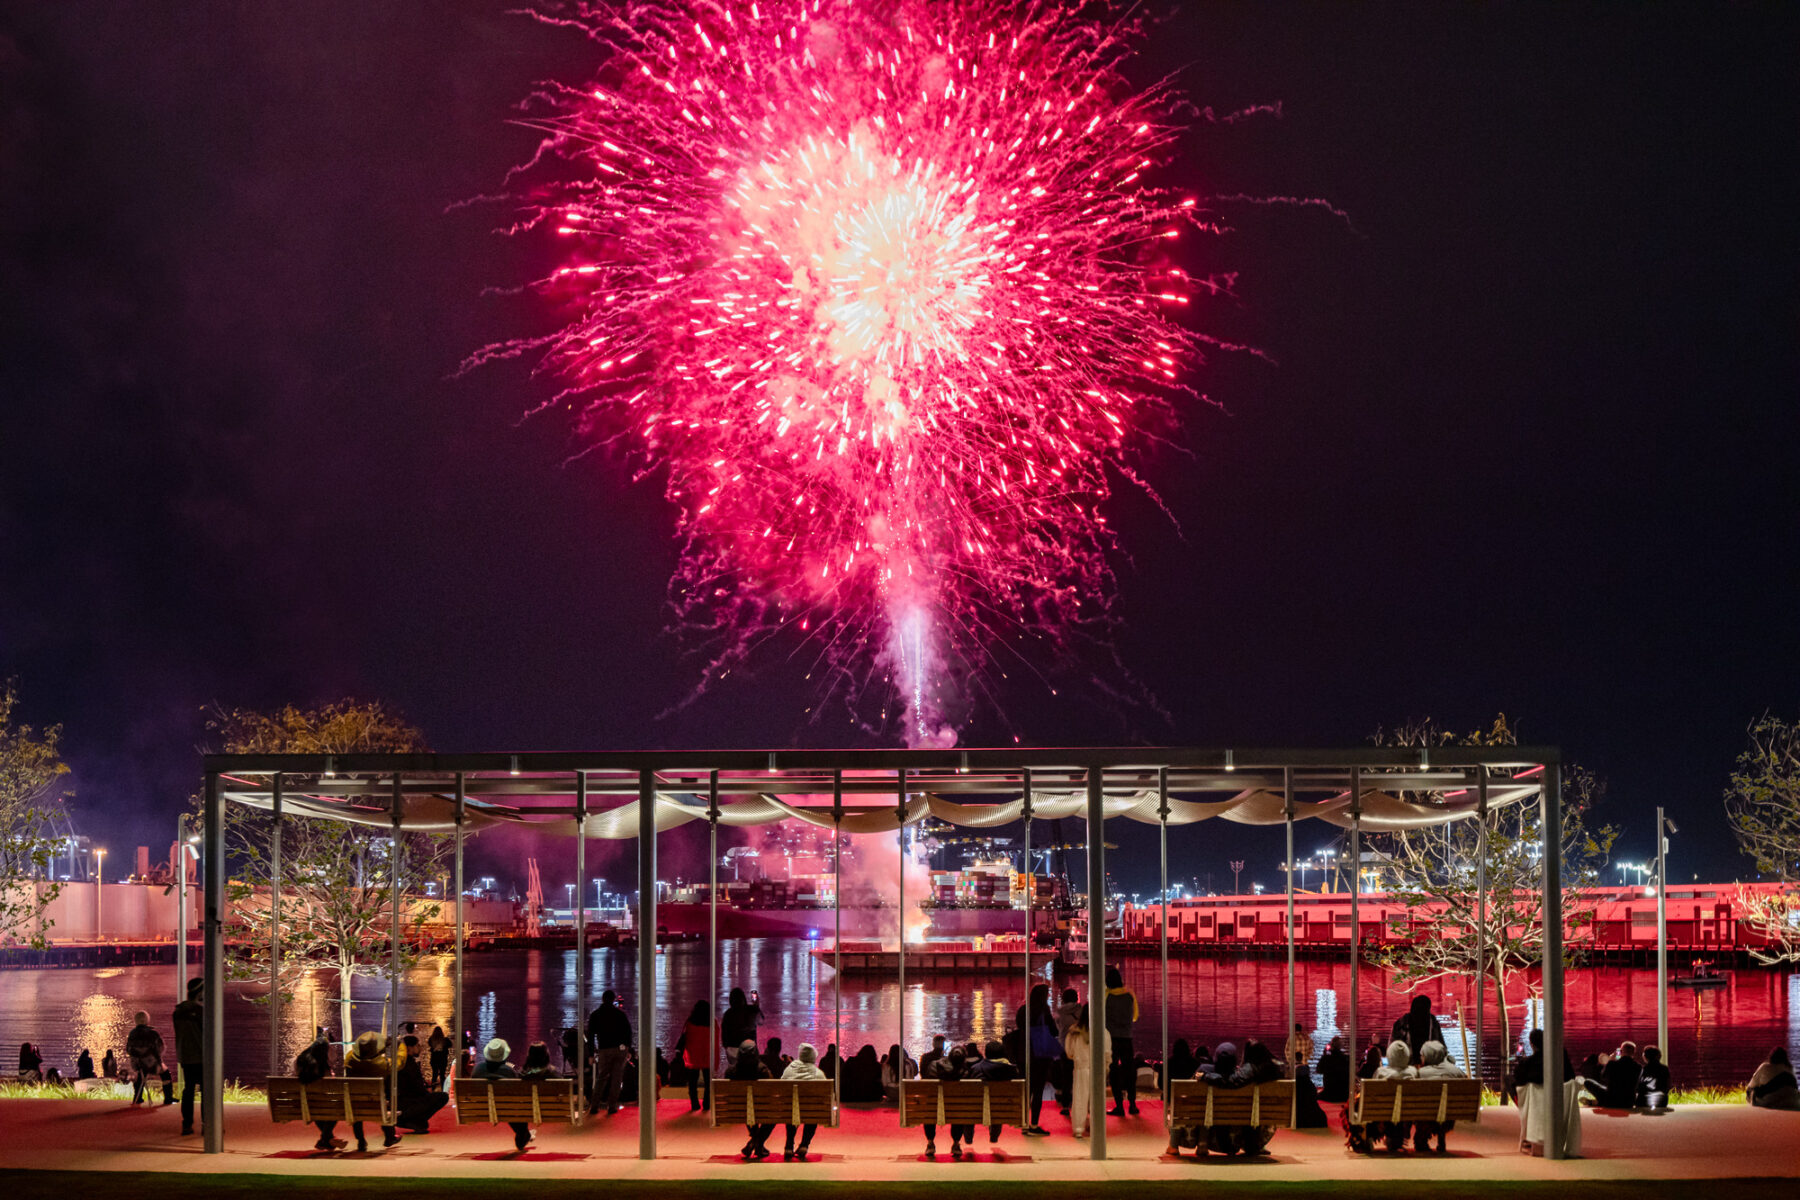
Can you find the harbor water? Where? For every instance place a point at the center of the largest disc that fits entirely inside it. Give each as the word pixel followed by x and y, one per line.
pixel 1717 1036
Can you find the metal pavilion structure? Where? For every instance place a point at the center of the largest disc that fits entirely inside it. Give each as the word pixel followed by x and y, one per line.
pixel 608 794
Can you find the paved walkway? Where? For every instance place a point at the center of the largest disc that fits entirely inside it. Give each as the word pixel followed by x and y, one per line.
pixel 1701 1142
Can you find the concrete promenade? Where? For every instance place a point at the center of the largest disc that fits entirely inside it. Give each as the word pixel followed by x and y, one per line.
pixel 1700 1142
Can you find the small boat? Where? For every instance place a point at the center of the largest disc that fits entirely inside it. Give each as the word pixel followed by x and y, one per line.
pixel 1703 977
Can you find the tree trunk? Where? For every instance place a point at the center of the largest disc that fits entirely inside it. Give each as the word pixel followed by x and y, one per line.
pixel 346 977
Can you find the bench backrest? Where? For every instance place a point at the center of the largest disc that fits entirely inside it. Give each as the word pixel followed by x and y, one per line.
pixel 534 1101
pixel 1409 1100
pixel 334 1098
pixel 962 1102
pixel 774 1101
pixel 1196 1102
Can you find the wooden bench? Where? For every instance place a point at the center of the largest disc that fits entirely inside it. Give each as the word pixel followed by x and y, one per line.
pixel 334 1098
pixel 772 1101
pixel 1407 1101
pixel 963 1102
pixel 500 1101
pixel 1194 1103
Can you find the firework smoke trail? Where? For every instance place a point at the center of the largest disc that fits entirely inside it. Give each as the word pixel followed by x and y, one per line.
pixel 884 289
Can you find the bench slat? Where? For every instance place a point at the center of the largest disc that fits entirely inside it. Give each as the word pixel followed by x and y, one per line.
pixel 334 1098
pixel 774 1101
pixel 964 1102
pixel 498 1101
pixel 1195 1102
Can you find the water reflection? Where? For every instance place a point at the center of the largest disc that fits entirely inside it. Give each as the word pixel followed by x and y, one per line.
pixel 1718 1035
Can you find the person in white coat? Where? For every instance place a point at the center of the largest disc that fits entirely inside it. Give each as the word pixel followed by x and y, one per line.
pixel 1078 1046
pixel 804 1066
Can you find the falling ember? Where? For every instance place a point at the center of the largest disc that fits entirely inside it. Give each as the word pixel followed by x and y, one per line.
pixel 884 289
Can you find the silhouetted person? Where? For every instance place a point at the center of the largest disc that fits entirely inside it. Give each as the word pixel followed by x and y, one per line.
pixel 189 1026
pixel 1417 1027
pixel 438 1046
pixel 697 1054
pixel 1121 1017
pixel 609 1033
pixel 1653 1088
pixel 1617 1086
pixel 749 1066
pixel 1043 1044
pixel 144 1049
pixel 415 1098
pixel 951 1066
pixel 994 1068
pixel 314 1063
pixel 739 1022
pixel 1334 1073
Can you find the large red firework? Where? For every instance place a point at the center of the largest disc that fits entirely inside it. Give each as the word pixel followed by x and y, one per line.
pixel 885 290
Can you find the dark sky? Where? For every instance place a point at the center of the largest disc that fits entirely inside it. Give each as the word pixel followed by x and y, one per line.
pixel 1530 445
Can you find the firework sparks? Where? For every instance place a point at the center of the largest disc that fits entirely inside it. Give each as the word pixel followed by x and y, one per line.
pixel 884 290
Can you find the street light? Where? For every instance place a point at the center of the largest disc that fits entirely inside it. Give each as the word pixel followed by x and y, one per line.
pixel 1237 867
pixel 1664 827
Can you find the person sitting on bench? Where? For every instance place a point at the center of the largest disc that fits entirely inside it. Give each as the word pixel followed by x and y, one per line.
pixel 805 1067
pixel 748 1067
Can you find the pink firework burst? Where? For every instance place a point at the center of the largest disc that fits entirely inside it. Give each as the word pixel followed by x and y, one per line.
pixel 884 289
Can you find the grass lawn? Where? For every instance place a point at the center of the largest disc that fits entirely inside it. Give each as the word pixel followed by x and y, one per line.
pixel 28 1185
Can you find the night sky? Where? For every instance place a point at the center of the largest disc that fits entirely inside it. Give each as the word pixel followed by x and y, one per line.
pixel 1528 443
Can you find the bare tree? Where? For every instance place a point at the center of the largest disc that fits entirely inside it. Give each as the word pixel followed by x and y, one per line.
pixel 1762 804
pixel 1445 933
pixel 33 781
pixel 337 880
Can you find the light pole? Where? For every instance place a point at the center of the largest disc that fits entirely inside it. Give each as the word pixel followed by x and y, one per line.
pixel 1237 866
pixel 1664 827
pixel 184 846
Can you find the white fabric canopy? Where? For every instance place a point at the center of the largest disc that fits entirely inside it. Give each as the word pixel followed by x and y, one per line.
pixel 436 813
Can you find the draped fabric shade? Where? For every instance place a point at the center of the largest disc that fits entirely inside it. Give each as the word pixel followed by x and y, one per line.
pixel 430 812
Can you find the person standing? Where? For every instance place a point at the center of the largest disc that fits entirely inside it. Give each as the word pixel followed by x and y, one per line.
pixel 1039 1036
pixel 609 1033
pixel 1299 1051
pixel 144 1049
pixel 84 1065
pixel 109 1066
pixel 438 1046
pixel 189 1025
pixel 1121 1016
pixel 738 1024
pixel 696 1044
pixel 1078 1046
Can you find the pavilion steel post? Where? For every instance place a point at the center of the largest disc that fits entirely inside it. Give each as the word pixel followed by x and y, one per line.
pixel 212 1098
pixel 900 1066
pixel 712 914
pixel 837 929
pixel 1551 825
pixel 1355 913
pixel 1287 797
pixel 393 1021
pixel 1662 935
pixel 1162 814
pixel 1097 1057
pixel 1481 928
pixel 181 895
pixel 274 924
pixel 1030 932
pixel 456 983
pixel 581 950
pixel 647 964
